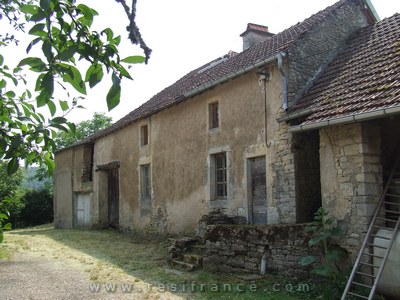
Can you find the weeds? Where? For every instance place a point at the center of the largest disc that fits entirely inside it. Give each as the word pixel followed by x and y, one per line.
pixel 110 256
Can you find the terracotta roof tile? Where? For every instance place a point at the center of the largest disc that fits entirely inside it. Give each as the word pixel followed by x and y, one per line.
pixel 364 77
pixel 256 27
pixel 175 93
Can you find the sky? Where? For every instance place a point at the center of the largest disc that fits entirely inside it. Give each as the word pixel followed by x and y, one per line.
pixel 185 34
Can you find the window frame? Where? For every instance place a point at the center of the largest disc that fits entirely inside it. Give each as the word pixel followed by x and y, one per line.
pixel 145 188
pixel 214 120
pixel 220 176
pixel 144 135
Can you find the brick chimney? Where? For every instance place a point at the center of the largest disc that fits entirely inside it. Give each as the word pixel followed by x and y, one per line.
pixel 255 34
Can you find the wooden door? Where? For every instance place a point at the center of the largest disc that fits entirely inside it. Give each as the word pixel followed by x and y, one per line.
pixel 258 192
pixel 82 212
pixel 113 198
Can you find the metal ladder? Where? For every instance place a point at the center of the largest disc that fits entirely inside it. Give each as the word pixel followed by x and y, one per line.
pixel 364 278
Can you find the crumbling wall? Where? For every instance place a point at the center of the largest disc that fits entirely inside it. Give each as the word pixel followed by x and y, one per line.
pixel 240 248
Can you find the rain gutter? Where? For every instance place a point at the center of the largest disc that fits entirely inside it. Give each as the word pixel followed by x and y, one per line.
pixel 347 120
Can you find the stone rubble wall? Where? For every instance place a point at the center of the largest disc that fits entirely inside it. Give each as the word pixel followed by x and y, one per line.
pixel 240 248
pixel 351 177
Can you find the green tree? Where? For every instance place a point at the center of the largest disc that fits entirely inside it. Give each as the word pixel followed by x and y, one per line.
pixel 84 129
pixel 9 196
pixel 38 208
pixel 61 31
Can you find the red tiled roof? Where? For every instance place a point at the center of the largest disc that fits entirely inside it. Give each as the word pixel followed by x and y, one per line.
pixel 176 92
pixel 364 77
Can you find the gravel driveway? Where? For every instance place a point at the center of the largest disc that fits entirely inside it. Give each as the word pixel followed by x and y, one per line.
pixel 31 276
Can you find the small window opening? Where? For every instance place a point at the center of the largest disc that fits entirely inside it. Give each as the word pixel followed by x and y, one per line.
pixel 144 135
pixel 213 115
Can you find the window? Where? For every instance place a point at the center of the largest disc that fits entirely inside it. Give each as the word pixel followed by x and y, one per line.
pixel 213 115
pixel 87 164
pixel 145 189
pixel 144 135
pixel 220 184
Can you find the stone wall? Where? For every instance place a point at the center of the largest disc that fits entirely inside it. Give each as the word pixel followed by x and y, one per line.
pixel 351 176
pixel 240 248
pixel 283 175
pixel 309 55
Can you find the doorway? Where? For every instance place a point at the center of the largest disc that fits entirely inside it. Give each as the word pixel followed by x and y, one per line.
pixel 82 210
pixel 113 198
pixel 257 190
pixel 308 177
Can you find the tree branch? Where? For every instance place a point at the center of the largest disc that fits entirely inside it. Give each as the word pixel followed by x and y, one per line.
pixel 134 34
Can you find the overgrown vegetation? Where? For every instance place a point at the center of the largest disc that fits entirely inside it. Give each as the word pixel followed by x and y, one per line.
pixel 325 233
pixel 61 35
pixel 24 204
pixel 110 256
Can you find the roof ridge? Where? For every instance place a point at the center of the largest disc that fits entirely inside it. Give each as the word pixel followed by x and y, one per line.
pixel 193 80
pixel 361 79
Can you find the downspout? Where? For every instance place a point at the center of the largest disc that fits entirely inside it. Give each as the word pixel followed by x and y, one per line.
pixel 279 58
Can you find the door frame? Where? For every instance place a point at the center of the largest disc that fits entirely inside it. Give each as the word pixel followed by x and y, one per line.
pixel 249 194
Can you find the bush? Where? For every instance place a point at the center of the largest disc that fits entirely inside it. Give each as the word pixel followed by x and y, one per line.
pixel 38 208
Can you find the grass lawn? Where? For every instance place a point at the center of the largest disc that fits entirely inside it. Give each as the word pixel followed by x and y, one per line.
pixel 111 257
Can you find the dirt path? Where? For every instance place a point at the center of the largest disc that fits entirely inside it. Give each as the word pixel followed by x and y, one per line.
pixel 31 273
pixel 34 277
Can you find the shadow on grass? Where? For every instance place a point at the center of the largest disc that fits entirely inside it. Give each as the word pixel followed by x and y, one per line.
pixel 146 259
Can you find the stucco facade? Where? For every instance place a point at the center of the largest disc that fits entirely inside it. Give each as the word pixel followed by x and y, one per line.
pixel 163 171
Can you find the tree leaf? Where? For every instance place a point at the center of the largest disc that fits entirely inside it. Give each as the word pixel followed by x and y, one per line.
pixel 114 94
pixel 12 166
pixel 52 107
pixel 64 105
pixel 124 72
pixel 323 270
pixel 46 48
pixel 7 226
pixel 59 120
pixel 60 127
pixel 35 63
pixel 37 29
pixel 136 59
pixel 87 13
pixel 68 53
pixel 336 254
pixel 47 83
pixel 337 231
pixel 31 44
pixel 45 4
pixel 307 260
pixel 73 76
pixel 109 33
pixel 94 75
pixel 42 99
pixel 38 16
pixel 29 9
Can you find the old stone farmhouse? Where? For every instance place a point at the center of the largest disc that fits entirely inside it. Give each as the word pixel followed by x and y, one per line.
pixel 305 118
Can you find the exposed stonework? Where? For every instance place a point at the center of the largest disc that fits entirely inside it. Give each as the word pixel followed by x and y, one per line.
pixel 283 177
pixel 240 248
pixel 158 224
pixel 309 55
pixel 351 176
